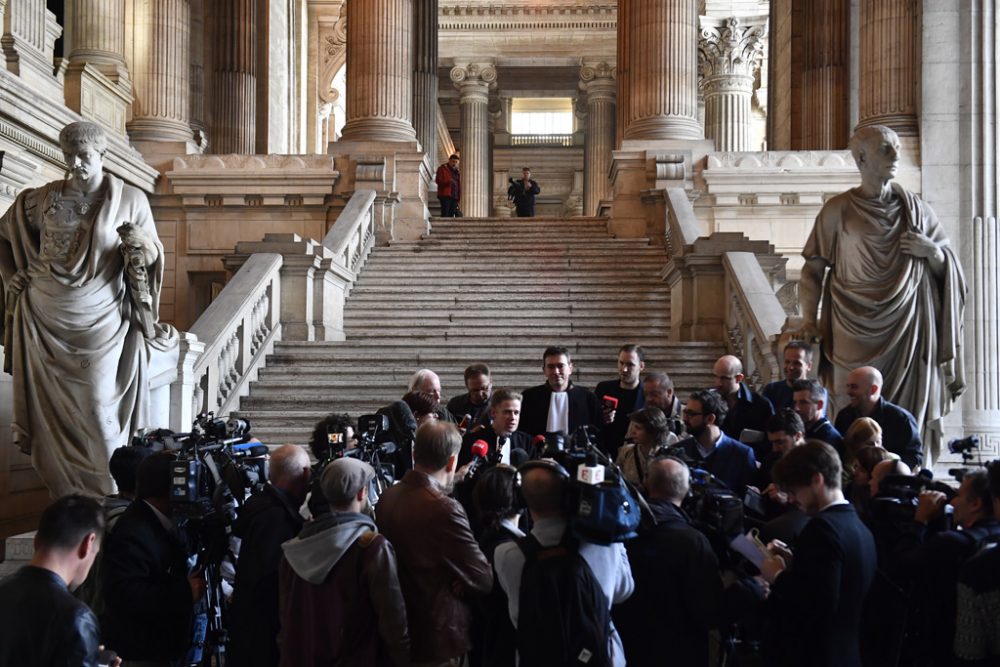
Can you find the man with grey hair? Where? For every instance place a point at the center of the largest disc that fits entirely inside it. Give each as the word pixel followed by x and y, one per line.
pixel 268 519
pixel 340 573
pixel 895 296
pixel 427 382
pixel 440 563
pixel 81 268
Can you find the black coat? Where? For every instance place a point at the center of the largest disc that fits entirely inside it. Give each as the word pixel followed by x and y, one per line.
pixel 750 412
pixel 266 521
pixel 518 440
pixel 678 593
pixel 815 606
pixel 42 624
pixel 613 434
pixel 899 430
pixel 584 409
pixel 148 598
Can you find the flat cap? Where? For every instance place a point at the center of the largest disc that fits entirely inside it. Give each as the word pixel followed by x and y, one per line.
pixel 343 478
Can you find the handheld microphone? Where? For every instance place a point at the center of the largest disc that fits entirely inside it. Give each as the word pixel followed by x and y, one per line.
pixel 498 452
pixel 538 444
pixel 480 449
pixel 518 457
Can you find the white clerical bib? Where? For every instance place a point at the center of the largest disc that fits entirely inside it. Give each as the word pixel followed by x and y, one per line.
pixel 558 420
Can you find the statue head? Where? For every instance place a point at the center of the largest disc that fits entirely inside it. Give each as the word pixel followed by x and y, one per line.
pixel 875 149
pixel 83 145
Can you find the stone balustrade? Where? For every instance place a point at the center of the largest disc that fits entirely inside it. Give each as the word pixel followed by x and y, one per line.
pixel 754 317
pixel 226 347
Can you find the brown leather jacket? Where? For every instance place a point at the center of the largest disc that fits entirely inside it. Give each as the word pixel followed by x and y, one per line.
pixel 439 563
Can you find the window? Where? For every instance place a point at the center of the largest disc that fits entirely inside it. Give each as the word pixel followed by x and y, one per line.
pixel 544 115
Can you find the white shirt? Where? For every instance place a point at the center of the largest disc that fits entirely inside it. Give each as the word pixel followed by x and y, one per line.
pixel 558 421
pixel 504 442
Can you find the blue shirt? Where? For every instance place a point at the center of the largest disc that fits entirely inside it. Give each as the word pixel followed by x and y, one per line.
pixel 731 461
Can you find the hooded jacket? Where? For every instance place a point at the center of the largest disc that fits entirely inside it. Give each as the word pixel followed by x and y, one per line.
pixel 339 596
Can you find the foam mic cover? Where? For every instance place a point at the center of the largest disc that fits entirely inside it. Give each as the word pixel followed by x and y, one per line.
pixel 480 448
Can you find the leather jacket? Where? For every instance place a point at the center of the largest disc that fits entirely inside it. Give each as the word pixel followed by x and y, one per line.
pixel 437 556
pixel 43 624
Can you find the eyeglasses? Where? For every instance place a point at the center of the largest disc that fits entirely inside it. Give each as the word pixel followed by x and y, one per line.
pixel 691 413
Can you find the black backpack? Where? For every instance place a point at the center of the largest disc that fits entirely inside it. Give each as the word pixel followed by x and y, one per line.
pixel 564 617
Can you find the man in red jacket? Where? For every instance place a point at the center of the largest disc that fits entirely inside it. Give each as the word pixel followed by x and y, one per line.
pixel 449 182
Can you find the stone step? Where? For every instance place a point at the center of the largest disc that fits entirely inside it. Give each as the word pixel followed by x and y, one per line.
pixel 539 267
pixel 562 299
pixel 530 312
pixel 482 252
pixel 445 347
pixel 631 288
pixel 516 242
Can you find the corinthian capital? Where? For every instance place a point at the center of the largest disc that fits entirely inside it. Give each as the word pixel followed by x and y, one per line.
pixel 730 48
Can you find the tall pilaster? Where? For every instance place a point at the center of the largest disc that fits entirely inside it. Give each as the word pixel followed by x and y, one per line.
pixel 160 70
pixel 823 100
pixel 623 70
pixel 425 75
pixel 473 82
pixel 196 82
pixel 890 40
pixel 95 34
pixel 234 76
pixel 730 53
pixel 599 139
pixel 29 36
pixel 380 71
pixel 661 65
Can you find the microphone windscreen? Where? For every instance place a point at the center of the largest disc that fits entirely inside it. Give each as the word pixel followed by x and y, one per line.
pixel 480 448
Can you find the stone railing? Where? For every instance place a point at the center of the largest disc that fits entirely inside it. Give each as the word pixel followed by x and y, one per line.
pixel 541 140
pixel 283 288
pixel 754 317
pixel 682 227
pixel 228 342
pixel 352 236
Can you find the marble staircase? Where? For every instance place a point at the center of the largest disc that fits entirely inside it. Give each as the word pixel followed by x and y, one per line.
pixel 492 290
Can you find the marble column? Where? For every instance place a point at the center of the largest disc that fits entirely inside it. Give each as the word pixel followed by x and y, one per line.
pixel 380 71
pixel 160 70
pixel 425 76
pixel 29 35
pixel 890 43
pixel 95 34
pixel 473 82
pixel 823 100
pixel 196 82
pixel 623 70
pixel 730 53
pixel 234 76
pixel 661 65
pixel 599 83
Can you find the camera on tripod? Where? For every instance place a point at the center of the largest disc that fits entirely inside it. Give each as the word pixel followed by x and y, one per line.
pixel 898 495
pixel 371 448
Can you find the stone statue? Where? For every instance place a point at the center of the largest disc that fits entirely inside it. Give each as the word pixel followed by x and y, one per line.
pixel 894 295
pixel 81 267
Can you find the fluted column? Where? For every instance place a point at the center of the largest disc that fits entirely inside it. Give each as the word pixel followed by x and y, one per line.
pixel 890 42
pixel 473 82
pixel 196 81
pixel 95 34
pixel 623 70
pixel 425 75
pixel 599 139
pixel 661 69
pixel 234 76
pixel 823 99
pixel 380 71
pixel 730 53
pixel 160 70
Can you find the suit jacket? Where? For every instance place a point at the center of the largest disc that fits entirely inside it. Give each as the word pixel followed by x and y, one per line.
pixel 750 412
pixel 613 434
pixel 815 606
pixel 584 409
pixel 149 607
pixel 267 520
pixel 43 624
pixel 518 440
pixel 730 461
pixel 437 555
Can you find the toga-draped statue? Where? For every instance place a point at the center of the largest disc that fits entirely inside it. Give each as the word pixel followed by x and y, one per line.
pixel 894 295
pixel 81 267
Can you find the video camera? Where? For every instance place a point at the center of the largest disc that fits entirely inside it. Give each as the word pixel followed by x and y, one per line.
pixel 896 502
pixel 605 507
pixel 371 448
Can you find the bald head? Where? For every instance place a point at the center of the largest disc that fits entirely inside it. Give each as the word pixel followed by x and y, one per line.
pixel 864 388
pixel 882 470
pixel 288 469
pixel 728 372
pixel 543 492
pixel 669 479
